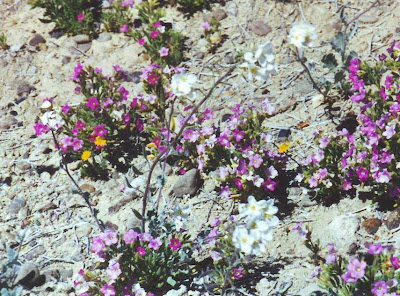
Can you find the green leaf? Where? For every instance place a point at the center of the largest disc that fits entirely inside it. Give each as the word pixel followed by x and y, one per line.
pixel 330 61
pixel 137 214
pixel 171 281
pixel 337 42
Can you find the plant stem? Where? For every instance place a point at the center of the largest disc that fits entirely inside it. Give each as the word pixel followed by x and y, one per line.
pixel 175 141
pixel 64 166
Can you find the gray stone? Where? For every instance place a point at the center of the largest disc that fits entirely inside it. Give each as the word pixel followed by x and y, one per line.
pixel 35 253
pixel 29 276
pixel 24 88
pixel 218 14
pixel 23 165
pixel 189 183
pixel 393 221
pixel 65 60
pixel 6 123
pixel 84 47
pixel 16 205
pixel 209 186
pixel 36 40
pixel 260 28
pixel 104 37
pixel 80 39
pixel 229 59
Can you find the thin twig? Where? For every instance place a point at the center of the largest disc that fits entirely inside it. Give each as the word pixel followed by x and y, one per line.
pixel 174 142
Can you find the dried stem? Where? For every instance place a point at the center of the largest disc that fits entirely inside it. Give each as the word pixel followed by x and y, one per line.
pixel 173 143
pixel 84 195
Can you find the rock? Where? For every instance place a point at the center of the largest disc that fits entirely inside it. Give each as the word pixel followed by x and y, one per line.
pixel 29 276
pixel 84 47
pixel 199 55
pixel 84 230
pixel 303 87
pixel 24 88
pixel 209 186
pixel 80 39
pixel 219 14
pixel 134 223
pixel 135 76
pixel 6 123
pixel 16 205
pixel 368 19
pixel 23 165
pixel 264 287
pixel 47 207
pixel 341 231
pixel 103 37
pixel 229 59
pixel 65 60
pixel 32 70
pixel 88 188
pixel 35 253
pixel 393 221
pixel 260 28
pixel 372 225
pixel 189 183
pixel 36 40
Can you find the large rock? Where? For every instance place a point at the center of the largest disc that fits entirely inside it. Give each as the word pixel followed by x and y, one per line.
pixel 393 221
pixel 29 276
pixel 189 183
pixel 16 205
pixel 260 28
pixel 36 40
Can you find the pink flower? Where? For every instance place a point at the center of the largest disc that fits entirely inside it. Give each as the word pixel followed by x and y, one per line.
pixel 65 109
pixel 130 236
pixel 154 34
pixel 81 17
pixel 175 243
pixel 80 124
pixel 389 132
pixel 313 182
pixel 395 262
pixel 109 237
pixel 113 270
pixel 152 78
pixel 237 273
pixel 157 25
pixel 75 77
pixel 347 185
pixel 375 249
pixel 155 243
pixel 225 192
pixel 323 142
pixel 382 176
pixel 380 288
pixel 145 237
pixel 40 128
pixel 107 102
pixel 141 41
pixel 124 28
pixel 164 52
pixel 127 3
pixel 108 290
pixel 77 144
pixel 363 174
pixel 201 148
pixel 302 231
pixel 92 103
pixel 100 130
pixel 322 173
pixel 223 140
pixel 205 26
pixel 238 135
pixel 97 244
pixel 141 251
pixel 213 235
pixel 238 183
pixel 356 268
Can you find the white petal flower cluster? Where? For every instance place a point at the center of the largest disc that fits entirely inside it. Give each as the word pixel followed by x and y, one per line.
pixel 52 119
pixel 182 85
pixel 181 215
pixel 302 34
pixel 260 64
pixel 252 237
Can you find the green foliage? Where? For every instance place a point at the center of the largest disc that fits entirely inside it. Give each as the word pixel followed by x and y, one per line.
pixel 64 13
pixel 8 271
pixel 3 41
pixel 192 6
pixel 117 17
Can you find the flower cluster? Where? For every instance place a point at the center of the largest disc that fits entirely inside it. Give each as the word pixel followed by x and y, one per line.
pixel 134 263
pixel 375 273
pixel 367 156
pixel 302 34
pixel 260 64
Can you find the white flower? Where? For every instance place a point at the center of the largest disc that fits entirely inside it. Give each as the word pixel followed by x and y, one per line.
pixel 255 208
pixel 52 119
pixel 265 56
pixel 181 215
pixel 272 172
pixel 242 239
pixel 302 34
pixel 257 181
pixel 182 84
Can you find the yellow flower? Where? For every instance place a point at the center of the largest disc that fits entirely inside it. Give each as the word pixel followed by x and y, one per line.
pixel 150 156
pixel 284 147
pixel 151 145
pixel 85 155
pixel 100 141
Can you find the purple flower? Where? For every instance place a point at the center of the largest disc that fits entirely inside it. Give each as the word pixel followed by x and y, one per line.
pixel 389 132
pixel 313 182
pixel 97 244
pixel 363 174
pixel 316 272
pixel 347 185
pixel 155 243
pixel 382 176
pixel 356 268
pixel 323 142
pixel 109 237
pixel 347 277
pixel 223 140
pixel 322 173
pixel 375 249
pixel 92 103
pixel 302 231
pixel 140 251
pixel 145 237
pixel 395 262
pixel 255 160
pixel 81 17
pixel 237 273
pixel 130 236
pixel 108 290
pixel 225 192
pixel 164 52
pixel 238 135
pixel 113 270
pixel 330 259
pixel 380 288
pixel 40 128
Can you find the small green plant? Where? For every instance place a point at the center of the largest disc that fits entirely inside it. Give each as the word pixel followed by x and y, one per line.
pixel 3 41
pixel 8 274
pixel 119 18
pixel 73 16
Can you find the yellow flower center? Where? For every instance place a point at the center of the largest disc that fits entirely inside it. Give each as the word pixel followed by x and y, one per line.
pixel 86 155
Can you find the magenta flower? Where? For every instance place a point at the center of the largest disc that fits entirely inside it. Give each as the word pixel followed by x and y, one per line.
pixel 77 144
pixel 77 71
pixel 362 174
pixel 155 243
pixel 238 183
pixel 313 182
pixel 157 25
pixel 269 185
pixel 356 268
pixel 154 34
pixel 40 128
pixel 152 78
pixel 124 28
pixel 175 243
pixel 323 142
pixel 145 237
pixel 141 41
pixel 81 17
pixel 130 236
pixel 100 130
pixel 206 26
pixel 238 135
pixel 109 237
pixel 225 192
pixel 113 270
pixel 92 103
pixel 237 273
pixel 223 140
pixel 65 109
pixel 140 251
pixel 375 249
pixel 395 262
pixel 380 288
pixel 164 52
pixel 108 290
